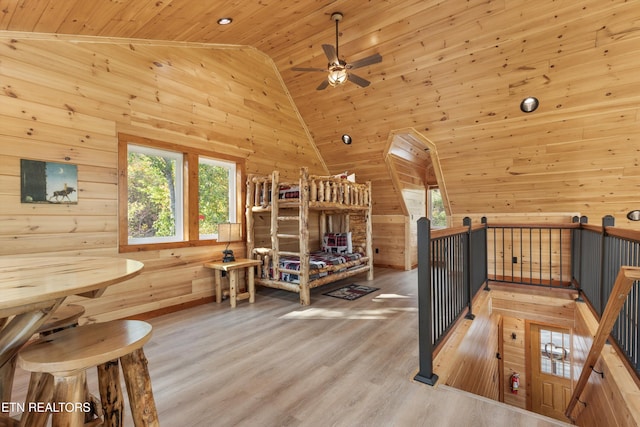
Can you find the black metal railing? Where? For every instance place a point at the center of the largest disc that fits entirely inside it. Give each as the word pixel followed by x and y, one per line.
pixel 530 254
pixel 449 288
pixel 451 268
pixel 455 263
pixel 601 252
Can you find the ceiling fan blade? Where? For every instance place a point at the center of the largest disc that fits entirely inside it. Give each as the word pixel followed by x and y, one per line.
pixel 323 85
pixel 330 51
pixel 324 70
pixel 358 80
pixel 373 59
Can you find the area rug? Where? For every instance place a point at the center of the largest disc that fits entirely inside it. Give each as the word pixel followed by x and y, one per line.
pixel 351 292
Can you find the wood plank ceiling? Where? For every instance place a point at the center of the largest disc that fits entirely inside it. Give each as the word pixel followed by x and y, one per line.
pixel 455 71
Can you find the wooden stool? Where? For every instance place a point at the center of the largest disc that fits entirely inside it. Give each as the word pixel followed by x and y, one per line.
pixel 65 316
pixel 66 355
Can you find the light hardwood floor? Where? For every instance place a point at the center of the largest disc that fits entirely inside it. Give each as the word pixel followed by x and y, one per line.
pixel 334 363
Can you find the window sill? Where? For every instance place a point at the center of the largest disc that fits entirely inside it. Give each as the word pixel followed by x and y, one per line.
pixel 167 245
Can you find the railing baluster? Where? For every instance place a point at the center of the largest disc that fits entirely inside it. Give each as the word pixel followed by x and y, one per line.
pixel 540 256
pixel 550 257
pixel 531 256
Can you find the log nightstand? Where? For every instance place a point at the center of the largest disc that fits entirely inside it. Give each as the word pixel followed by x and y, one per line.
pixel 232 268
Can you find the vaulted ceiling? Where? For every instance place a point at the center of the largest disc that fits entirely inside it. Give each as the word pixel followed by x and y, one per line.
pixel 453 72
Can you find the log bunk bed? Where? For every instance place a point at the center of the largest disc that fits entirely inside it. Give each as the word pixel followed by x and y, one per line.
pixel 290 263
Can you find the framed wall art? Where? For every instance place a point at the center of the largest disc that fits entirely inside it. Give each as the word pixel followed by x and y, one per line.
pixel 48 182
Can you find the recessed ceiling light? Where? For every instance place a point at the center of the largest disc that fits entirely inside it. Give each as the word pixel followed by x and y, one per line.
pixel 634 215
pixel 529 104
pixel 225 21
pixel 346 139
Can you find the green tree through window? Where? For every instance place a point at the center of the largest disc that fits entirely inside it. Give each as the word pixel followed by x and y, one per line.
pixel 151 188
pixel 438 216
pixel 214 195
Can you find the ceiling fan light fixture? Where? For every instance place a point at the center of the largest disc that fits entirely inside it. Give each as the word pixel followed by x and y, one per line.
pixel 337 68
pixel 337 75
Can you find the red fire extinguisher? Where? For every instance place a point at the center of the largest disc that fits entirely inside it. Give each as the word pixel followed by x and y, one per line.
pixel 515 383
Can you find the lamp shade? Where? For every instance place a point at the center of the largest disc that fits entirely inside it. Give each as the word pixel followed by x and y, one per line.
pixel 229 232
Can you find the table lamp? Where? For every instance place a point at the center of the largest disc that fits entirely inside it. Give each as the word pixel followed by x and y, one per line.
pixel 229 232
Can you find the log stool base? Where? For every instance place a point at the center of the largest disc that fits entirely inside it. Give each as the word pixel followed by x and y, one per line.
pixel 59 362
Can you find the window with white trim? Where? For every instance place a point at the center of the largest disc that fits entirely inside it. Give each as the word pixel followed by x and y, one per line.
pixel 216 195
pixel 154 195
pixel 162 205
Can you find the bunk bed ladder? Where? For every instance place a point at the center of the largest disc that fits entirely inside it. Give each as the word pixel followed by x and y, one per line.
pixel 260 195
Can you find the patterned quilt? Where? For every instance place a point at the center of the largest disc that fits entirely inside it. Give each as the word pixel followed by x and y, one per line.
pixel 317 260
pixel 289 192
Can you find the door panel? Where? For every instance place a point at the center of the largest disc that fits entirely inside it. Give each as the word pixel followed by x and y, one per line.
pixel 550 356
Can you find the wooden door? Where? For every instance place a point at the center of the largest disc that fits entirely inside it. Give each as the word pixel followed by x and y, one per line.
pixel 551 368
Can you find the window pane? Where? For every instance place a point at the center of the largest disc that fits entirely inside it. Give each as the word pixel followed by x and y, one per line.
pixel 154 195
pixel 216 195
pixel 437 215
pixel 555 353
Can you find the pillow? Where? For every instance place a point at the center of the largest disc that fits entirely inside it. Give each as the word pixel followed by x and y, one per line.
pixel 339 243
pixel 289 192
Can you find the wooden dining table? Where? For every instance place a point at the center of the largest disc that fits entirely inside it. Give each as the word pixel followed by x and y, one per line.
pixel 31 288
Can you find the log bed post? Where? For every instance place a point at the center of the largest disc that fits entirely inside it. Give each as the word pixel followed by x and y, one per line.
pixel 250 202
pixel 305 294
pixel 275 243
pixel 369 232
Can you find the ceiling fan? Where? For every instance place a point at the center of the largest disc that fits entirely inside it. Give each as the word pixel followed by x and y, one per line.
pixel 339 70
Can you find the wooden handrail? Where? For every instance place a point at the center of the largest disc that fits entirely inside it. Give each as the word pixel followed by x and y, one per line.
pixel 624 281
pixel 563 225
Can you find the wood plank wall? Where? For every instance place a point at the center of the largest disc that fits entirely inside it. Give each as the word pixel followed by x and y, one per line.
pixel 66 101
pixel 389 240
